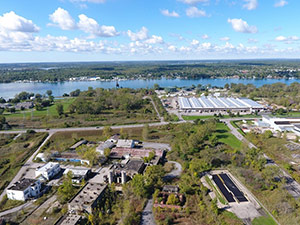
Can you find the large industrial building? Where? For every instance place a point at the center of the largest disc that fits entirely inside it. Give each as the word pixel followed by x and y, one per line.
pixel 218 104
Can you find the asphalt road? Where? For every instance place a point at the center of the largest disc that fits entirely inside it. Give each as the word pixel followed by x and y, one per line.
pixel 147 214
pixel 13 210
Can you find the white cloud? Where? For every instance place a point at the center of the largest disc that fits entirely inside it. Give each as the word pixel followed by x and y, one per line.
pixel 195 12
pixel 166 12
pixel 62 19
pixel 15 23
pixel 88 1
pixel 281 3
pixel 138 36
pixel 154 40
pixel 242 26
pixel 288 40
pixel 205 36
pixel 172 48
pixel 251 4
pixel 192 2
pixel 224 38
pixel 89 25
pixel 195 42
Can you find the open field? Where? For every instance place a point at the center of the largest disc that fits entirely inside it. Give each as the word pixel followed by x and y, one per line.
pixel 49 118
pixel 224 136
pixel 264 221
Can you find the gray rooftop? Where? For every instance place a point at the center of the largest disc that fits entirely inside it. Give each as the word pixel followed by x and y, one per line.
pixel 21 185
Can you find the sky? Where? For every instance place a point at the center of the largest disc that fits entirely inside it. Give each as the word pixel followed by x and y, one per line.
pixel 125 30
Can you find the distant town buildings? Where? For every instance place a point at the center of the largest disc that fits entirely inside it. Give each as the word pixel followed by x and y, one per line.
pixel 48 171
pixel 24 189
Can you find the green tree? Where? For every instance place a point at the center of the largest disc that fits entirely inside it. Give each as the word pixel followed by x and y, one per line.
pixel 154 176
pixel 49 93
pixel 139 186
pixel 172 200
pixel 60 109
pixel 66 191
pixel 107 132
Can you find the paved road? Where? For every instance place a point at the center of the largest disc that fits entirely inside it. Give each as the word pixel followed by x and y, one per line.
pixel 26 166
pixel 13 210
pixel 147 214
pixel 176 172
pixel 292 186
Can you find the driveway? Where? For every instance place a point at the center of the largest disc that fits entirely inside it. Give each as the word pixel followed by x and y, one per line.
pixel 176 172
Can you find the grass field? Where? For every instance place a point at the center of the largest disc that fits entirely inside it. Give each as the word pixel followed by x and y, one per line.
pixel 224 136
pixel 264 221
pixel 49 118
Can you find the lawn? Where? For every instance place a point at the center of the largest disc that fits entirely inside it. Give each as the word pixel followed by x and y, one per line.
pixel 264 221
pixel 49 111
pixel 224 136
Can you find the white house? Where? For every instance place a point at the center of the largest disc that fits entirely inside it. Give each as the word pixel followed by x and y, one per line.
pixel 124 143
pixel 24 189
pixel 48 170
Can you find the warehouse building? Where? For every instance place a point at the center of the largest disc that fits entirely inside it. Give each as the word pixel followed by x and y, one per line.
pixel 218 104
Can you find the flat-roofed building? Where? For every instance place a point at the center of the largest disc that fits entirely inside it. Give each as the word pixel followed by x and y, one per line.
pixel 124 143
pixel 70 219
pixel 88 198
pixel 24 189
pixel 48 171
pixel 218 104
pixel 78 174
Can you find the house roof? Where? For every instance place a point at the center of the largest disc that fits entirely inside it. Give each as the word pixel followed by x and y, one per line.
pixel 22 184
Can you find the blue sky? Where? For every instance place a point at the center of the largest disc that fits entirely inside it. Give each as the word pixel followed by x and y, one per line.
pixel 111 30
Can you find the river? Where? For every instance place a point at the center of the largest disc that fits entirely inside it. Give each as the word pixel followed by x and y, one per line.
pixel 9 90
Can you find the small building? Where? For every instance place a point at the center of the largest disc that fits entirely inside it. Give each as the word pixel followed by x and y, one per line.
pixel 88 198
pixel 134 167
pixel 24 189
pixel 78 174
pixel 170 189
pixel 48 171
pixel 70 219
pixel 24 105
pixel 124 143
pixel 42 157
pixel 110 143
